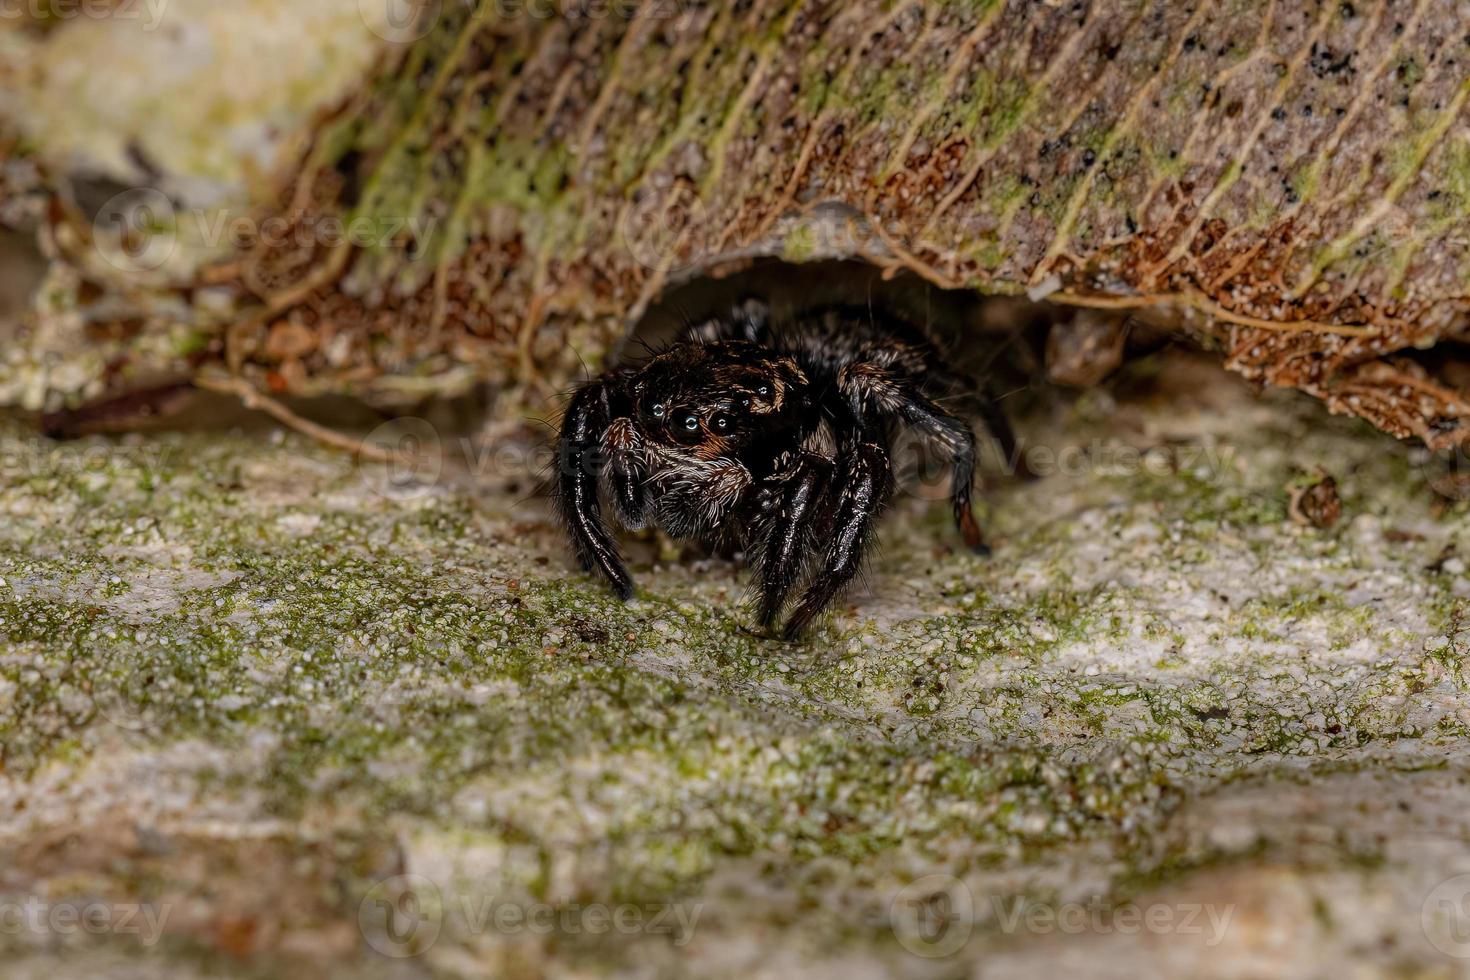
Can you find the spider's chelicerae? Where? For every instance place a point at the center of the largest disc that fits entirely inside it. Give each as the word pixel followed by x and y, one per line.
pixel 771 436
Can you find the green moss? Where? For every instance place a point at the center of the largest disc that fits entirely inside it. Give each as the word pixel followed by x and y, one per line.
pixel 430 663
pixel 1408 72
pixel 800 244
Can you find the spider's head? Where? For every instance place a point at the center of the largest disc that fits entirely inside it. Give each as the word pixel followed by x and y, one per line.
pixel 719 400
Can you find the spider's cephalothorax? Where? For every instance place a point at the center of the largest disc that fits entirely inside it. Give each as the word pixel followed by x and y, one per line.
pixel 775 436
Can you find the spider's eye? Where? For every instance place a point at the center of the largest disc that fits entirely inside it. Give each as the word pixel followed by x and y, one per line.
pixel 763 390
pixel 721 422
pixel 691 423
pixel 658 410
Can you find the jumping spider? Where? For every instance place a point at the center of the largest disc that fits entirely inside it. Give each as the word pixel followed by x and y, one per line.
pixel 772 437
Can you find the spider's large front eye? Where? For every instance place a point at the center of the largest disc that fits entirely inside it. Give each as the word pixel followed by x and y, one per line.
pixel 690 423
pixel 658 411
pixel 720 423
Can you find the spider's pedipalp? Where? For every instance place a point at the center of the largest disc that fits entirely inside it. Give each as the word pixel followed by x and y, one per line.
pixel 697 496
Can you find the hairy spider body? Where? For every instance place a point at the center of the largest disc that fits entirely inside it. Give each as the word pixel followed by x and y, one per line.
pixel 772 436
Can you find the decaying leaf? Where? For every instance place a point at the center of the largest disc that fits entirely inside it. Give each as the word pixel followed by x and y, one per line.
pixel 1085 349
pixel 1316 504
pixel 1288 183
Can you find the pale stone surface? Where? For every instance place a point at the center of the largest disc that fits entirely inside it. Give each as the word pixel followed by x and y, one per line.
pixel 173 92
pixel 1164 731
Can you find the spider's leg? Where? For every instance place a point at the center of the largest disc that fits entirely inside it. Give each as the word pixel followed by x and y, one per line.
pixel 875 390
pixel 999 426
pixel 785 530
pixel 578 468
pixel 855 498
pixel 987 409
pixel 748 320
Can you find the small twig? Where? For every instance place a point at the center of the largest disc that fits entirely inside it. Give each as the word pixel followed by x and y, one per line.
pixel 903 257
pixel 1197 301
pixel 255 400
pixel 323 274
pixel 1100 301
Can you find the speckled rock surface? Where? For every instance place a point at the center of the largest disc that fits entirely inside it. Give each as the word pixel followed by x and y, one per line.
pixel 301 716
pixel 170 94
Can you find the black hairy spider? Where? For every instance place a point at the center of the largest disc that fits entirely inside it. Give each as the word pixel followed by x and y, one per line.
pixel 774 437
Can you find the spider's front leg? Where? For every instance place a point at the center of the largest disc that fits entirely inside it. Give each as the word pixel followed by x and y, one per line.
pixel 788 509
pixel 579 467
pixel 855 498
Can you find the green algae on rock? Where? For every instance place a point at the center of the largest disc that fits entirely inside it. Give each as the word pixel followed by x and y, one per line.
pixel 227 657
